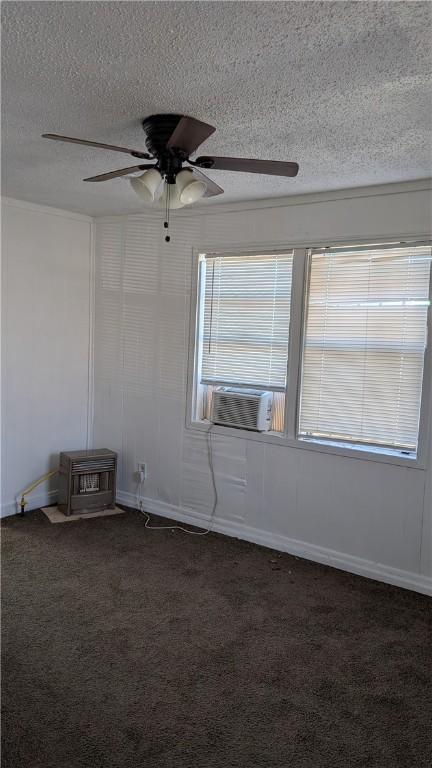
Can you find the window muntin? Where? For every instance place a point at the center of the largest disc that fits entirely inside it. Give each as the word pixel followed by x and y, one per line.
pixel 364 344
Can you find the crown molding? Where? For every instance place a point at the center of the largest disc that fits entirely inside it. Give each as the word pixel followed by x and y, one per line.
pixel 215 208
pixel 12 202
pixel 311 198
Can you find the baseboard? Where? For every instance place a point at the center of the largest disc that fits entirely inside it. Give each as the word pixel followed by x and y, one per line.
pixel 35 501
pixel 406 579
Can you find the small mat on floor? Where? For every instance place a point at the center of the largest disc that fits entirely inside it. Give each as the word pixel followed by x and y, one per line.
pixel 55 516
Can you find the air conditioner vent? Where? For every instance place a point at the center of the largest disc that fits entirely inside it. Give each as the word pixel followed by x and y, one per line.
pixel 242 408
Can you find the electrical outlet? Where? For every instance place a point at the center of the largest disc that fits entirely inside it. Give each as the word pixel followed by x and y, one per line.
pixel 142 467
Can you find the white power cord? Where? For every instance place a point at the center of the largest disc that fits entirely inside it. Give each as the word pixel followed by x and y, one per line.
pixel 180 527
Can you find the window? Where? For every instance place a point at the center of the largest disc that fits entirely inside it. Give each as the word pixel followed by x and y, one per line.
pixel 244 325
pixel 342 352
pixel 364 345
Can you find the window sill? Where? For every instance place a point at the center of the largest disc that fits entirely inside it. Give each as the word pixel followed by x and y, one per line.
pixel 359 452
pixel 371 450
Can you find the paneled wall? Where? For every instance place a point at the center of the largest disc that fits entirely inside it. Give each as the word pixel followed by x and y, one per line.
pixel 365 516
pixel 46 293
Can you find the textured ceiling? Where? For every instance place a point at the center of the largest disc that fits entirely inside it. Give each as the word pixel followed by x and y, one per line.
pixel 341 87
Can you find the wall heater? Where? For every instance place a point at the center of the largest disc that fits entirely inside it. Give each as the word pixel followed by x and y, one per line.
pixel 87 481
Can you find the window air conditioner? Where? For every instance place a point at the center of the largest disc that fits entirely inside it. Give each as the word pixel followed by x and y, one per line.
pixel 242 408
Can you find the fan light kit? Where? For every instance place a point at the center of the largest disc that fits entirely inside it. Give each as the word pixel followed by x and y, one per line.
pixel 151 189
pixel 170 140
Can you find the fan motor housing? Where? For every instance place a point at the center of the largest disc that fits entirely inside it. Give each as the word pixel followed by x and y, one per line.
pixel 158 130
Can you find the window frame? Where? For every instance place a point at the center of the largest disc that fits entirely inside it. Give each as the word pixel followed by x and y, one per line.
pixel 299 298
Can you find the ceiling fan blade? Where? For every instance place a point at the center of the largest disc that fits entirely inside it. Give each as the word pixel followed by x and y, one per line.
pixel 212 188
pixel 189 134
pixel 271 167
pixel 120 172
pixel 71 140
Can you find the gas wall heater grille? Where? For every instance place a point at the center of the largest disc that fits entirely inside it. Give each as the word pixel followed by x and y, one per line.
pixel 242 408
pixel 87 481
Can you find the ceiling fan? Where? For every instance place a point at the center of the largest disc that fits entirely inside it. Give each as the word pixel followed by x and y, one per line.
pixel 170 140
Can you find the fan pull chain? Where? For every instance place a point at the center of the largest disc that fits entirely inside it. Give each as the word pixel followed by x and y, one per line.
pixel 167 210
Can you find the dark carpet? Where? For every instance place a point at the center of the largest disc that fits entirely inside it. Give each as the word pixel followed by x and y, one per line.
pixel 129 648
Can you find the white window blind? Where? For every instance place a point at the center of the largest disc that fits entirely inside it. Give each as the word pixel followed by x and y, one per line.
pixel 245 323
pixel 364 344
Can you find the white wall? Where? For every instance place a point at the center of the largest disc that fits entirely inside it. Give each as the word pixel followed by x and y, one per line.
pixel 365 516
pixel 46 292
